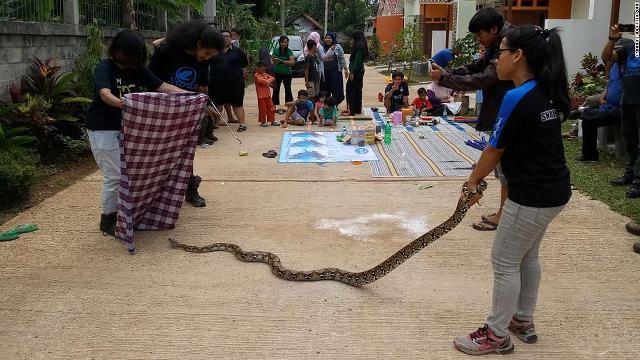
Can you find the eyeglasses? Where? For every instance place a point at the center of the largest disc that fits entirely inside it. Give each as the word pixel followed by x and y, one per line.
pixel 499 51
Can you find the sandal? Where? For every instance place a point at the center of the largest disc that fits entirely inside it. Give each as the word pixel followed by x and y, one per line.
pixel 284 125
pixel 345 113
pixel 275 123
pixel 281 111
pixel 270 154
pixel 264 125
pixel 242 128
pixel 486 217
pixel 485 226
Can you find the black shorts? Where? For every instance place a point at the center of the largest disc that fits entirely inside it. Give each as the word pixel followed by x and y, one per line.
pixel 227 94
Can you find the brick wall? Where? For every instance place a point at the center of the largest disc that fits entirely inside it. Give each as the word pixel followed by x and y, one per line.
pixel 20 42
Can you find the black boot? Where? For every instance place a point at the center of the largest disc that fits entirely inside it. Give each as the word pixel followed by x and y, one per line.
pixel 633 192
pixel 192 192
pixel 622 181
pixel 108 224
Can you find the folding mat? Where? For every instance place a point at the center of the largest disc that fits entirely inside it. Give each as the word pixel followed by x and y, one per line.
pixel 426 151
pixel 159 136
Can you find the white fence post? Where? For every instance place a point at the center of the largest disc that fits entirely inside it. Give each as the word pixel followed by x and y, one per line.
pixel 71 12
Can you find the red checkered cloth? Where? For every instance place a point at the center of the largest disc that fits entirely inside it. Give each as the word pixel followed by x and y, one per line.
pixel 158 143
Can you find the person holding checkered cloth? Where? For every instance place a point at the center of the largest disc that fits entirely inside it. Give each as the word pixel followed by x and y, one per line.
pixel 122 73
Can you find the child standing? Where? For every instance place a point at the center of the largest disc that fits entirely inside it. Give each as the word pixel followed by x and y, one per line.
pixel 122 73
pixel 421 103
pixel 263 90
pixel 329 113
pixel 319 105
pixel 299 111
pixel 311 69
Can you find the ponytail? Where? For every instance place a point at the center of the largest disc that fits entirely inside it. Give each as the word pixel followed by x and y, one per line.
pixel 543 50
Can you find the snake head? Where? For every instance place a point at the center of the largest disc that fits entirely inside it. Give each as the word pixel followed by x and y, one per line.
pixel 471 196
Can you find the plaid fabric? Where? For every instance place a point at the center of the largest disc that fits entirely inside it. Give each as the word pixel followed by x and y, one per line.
pixel 158 143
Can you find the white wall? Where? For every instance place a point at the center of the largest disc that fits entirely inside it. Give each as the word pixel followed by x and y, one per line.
pixel 438 41
pixel 626 11
pixel 580 9
pixel 466 10
pixel 581 36
pixel 411 11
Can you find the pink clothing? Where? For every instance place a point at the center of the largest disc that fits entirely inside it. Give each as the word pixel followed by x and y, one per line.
pixel 315 37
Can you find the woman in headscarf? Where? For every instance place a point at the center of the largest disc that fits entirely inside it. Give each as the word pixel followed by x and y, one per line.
pixel 334 65
pixel 321 53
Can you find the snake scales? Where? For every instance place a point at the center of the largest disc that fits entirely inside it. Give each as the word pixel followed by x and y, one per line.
pixel 347 277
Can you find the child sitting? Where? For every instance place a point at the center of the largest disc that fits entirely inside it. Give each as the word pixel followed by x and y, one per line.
pixel 328 115
pixel 396 94
pixel 299 111
pixel 319 100
pixel 421 104
pixel 265 105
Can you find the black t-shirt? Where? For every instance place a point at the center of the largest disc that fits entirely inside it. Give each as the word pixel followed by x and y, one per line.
pixel 312 62
pixel 226 68
pixel 528 129
pixel 120 81
pixel 397 97
pixel 174 66
pixel 631 77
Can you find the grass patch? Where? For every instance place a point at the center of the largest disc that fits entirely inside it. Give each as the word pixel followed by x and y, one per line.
pixel 592 179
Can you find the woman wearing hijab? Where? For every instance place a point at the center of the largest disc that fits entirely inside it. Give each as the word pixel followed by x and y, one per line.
pixel 334 65
pixel 321 53
pixel 359 54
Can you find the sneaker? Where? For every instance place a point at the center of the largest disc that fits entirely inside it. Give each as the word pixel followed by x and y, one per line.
pixel 524 330
pixel 483 341
pixel 108 224
pixel 621 181
pixel 633 192
pixel 585 160
pixel 636 247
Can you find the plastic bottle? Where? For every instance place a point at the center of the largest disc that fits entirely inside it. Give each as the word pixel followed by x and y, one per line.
pixel 344 131
pixel 403 161
pixel 387 133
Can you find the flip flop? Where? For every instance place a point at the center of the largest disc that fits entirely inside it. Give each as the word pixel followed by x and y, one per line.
pixel 242 128
pixel 485 226
pixel 15 233
pixel 281 111
pixel 264 125
pixel 270 154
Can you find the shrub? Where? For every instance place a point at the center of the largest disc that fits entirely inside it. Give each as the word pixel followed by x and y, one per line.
pixel 591 80
pixel 18 172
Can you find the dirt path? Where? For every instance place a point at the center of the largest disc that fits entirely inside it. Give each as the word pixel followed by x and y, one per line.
pixel 68 292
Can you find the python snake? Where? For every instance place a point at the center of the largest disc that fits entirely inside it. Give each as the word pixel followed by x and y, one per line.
pixel 347 277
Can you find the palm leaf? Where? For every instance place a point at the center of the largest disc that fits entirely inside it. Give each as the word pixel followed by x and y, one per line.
pixel 76 100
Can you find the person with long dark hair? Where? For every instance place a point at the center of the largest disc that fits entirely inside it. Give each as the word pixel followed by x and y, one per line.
pixel 123 72
pixel 527 140
pixel 182 60
pixel 359 54
pixel 334 65
pixel 283 60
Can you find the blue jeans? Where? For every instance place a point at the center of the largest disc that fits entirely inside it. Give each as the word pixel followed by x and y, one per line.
pixel 516 268
pixel 105 146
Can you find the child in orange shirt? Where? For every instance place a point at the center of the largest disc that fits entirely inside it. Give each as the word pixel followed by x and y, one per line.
pixel 265 105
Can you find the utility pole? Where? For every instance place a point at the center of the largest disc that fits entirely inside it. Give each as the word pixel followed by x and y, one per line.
pixel 326 15
pixel 282 16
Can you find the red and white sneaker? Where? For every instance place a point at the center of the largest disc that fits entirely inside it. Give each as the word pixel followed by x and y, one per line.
pixel 483 341
pixel 524 330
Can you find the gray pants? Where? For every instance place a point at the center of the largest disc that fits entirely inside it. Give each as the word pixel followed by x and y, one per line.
pixel 515 262
pixel 630 129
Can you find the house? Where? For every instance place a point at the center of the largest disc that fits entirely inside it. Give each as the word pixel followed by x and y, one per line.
pixel 305 25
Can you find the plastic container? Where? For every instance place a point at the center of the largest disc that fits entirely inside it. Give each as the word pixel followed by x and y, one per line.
pixel 407 114
pixel 397 118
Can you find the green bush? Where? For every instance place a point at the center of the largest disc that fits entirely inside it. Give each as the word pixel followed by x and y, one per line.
pixel 18 172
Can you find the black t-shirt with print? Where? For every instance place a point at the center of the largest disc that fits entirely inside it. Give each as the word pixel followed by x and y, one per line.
pixel 174 66
pixel 312 62
pixel 121 82
pixel 226 67
pixel 528 129
pixel 397 97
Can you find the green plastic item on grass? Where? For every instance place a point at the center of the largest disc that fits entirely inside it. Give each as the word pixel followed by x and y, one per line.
pixel 15 233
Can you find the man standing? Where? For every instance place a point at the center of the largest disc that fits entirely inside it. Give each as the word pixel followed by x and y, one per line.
pixel 226 84
pixel 489 27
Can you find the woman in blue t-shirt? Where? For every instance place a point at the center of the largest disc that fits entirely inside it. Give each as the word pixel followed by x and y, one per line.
pixel 527 141
pixel 122 73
